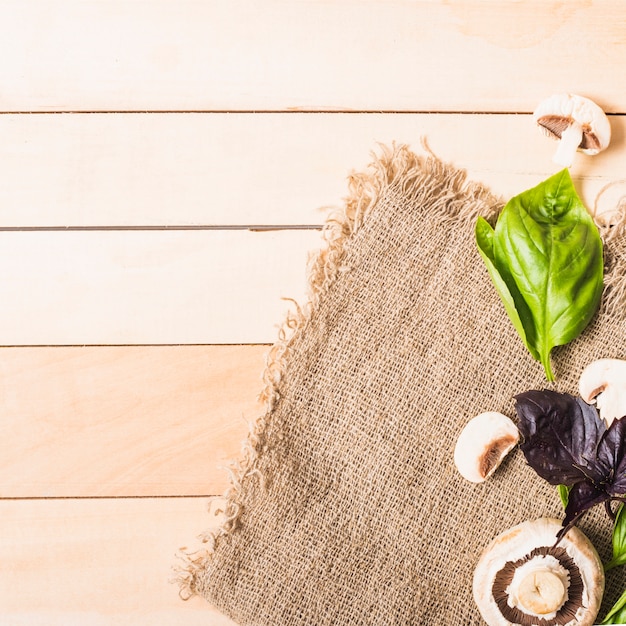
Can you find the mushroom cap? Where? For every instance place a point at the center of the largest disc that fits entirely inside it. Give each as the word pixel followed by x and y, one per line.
pixel 526 552
pixel 558 112
pixel 483 444
pixel 604 381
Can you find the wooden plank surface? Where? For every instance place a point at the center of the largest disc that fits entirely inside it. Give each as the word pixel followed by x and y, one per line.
pixel 99 562
pixel 217 285
pixel 144 287
pixel 283 55
pixel 125 421
pixel 224 169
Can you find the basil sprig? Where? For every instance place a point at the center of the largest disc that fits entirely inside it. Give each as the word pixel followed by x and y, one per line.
pixel 544 257
pixel 617 614
pixel 619 540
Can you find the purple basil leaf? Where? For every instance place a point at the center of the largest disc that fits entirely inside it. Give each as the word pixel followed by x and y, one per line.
pixel 561 434
pixel 582 497
pixel 566 443
pixel 612 456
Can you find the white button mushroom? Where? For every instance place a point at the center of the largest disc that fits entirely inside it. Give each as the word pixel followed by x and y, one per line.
pixel 522 577
pixel 604 381
pixel 579 124
pixel 483 443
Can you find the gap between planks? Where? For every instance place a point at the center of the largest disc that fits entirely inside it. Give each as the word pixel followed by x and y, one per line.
pixel 174 227
pixel 130 497
pixel 292 111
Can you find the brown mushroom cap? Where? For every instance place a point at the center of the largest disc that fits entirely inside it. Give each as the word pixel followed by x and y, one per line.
pixel 522 578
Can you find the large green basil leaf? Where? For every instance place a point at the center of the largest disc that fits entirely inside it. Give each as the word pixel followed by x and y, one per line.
pixel 547 251
pixel 485 242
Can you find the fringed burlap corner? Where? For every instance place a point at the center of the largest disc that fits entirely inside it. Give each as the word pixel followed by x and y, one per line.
pixel 346 508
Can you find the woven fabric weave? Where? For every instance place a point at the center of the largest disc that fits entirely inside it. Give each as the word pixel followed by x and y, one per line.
pixel 346 508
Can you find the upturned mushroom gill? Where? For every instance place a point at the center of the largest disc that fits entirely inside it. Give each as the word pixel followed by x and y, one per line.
pixel 523 578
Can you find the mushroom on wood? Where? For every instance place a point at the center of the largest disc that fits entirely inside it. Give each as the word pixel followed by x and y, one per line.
pixel 578 123
pixel 604 381
pixel 523 578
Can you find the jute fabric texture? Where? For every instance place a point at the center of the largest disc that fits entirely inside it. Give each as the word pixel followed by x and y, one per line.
pixel 346 508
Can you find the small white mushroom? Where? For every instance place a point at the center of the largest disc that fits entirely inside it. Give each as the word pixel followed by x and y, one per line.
pixel 522 577
pixel 604 381
pixel 483 443
pixel 579 124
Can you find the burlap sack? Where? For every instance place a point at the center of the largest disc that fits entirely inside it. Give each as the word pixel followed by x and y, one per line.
pixel 347 508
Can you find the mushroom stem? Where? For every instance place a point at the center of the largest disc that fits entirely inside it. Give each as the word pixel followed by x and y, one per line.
pixel 571 138
pixel 541 593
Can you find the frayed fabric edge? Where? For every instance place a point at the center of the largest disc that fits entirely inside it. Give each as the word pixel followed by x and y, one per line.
pixel 398 170
pixel 613 234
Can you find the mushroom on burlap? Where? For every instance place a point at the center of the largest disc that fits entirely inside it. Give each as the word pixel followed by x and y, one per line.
pixel 522 577
pixel 482 445
pixel 604 382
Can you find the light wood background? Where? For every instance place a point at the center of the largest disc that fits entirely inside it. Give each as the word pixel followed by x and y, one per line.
pixel 164 171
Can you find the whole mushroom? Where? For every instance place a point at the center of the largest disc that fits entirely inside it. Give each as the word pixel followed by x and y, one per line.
pixel 578 123
pixel 604 382
pixel 523 578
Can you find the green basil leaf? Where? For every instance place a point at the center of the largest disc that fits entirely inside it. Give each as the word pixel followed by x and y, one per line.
pixel 617 614
pixel 485 241
pixel 619 540
pixel 548 252
pixel 564 494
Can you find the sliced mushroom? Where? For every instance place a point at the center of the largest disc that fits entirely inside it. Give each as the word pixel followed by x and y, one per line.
pixel 523 578
pixel 604 381
pixel 483 443
pixel 579 124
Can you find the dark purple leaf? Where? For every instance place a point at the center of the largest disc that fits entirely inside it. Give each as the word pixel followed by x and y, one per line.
pixel 560 435
pixel 612 452
pixel 566 443
pixel 582 497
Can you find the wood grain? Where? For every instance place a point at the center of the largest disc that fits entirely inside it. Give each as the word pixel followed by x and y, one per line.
pixel 99 562
pixel 243 169
pixel 143 287
pixel 280 55
pixel 124 421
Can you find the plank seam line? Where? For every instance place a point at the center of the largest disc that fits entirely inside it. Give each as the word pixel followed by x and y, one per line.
pixel 130 345
pixel 289 111
pixel 176 227
pixel 155 497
